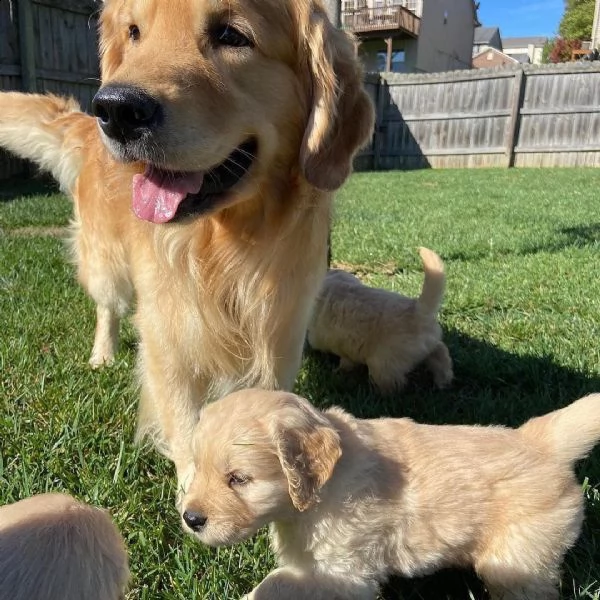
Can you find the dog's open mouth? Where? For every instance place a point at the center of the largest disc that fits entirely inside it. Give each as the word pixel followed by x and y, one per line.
pixel 161 196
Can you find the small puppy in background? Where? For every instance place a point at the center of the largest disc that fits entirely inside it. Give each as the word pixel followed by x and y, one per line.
pixel 354 501
pixel 390 333
pixel 55 548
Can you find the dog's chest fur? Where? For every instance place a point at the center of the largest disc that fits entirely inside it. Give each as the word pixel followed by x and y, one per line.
pixel 227 303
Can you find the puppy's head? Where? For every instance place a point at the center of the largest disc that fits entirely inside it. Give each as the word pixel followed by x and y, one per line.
pixel 219 99
pixel 259 456
pixel 52 546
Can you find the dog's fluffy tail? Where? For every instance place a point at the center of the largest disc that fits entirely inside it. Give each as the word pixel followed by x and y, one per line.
pixel 45 129
pixel 433 287
pixel 569 433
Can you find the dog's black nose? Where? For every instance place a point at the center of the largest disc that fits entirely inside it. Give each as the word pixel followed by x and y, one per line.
pixel 125 112
pixel 194 520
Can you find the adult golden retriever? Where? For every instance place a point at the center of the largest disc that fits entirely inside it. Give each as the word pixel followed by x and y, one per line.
pixel 204 188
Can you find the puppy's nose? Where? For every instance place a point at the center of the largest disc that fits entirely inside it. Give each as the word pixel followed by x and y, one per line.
pixel 194 520
pixel 125 112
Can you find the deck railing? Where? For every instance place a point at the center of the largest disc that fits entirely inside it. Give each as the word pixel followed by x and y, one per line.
pixel 386 18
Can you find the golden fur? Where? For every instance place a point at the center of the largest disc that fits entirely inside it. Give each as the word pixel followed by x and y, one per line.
pixel 354 501
pixel 390 333
pixel 223 299
pixel 54 133
pixel 55 548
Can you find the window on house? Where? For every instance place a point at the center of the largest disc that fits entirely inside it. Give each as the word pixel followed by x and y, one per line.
pixel 398 60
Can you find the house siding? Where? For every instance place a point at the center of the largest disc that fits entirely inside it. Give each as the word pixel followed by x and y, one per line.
pixel 596 26
pixel 446 38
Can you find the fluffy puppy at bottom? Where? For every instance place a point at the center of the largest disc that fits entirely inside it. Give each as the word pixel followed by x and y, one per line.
pixel 353 501
pixel 55 548
pixel 388 332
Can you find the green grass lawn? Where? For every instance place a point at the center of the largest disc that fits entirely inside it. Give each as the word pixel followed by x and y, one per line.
pixel 522 321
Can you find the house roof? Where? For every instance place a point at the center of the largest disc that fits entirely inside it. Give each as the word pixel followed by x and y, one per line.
pixel 523 42
pixel 495 51
pixel 483 35
pixel 522 58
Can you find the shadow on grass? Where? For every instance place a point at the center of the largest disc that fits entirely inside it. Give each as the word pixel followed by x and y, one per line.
pixel 491 386
pixel 566 237
pixel 22 187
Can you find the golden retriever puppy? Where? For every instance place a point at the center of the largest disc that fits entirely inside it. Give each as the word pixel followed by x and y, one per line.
pixel 353 501
pixel 204 187
pixel 389 333
pixel 55 548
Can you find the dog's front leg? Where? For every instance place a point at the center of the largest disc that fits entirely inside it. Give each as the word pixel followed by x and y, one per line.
pixel 168 410
pixel 289 583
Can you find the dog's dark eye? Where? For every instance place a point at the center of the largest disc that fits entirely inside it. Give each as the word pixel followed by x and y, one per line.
pixel 226 35
pixel 134 33
pixel 237 478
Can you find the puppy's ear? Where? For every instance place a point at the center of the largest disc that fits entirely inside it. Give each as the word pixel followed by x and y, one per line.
pixel 342 116
pixel 308 448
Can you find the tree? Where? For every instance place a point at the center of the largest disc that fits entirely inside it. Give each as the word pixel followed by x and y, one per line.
pixel 548 46
pixel 577 20
pixel 561 50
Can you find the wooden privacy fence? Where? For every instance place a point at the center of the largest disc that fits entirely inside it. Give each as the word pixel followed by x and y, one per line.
pixel 48 46
pixel 523 116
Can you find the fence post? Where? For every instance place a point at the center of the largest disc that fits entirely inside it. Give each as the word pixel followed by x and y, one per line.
pixel 379 130
pixel 27 46
pixel 512 132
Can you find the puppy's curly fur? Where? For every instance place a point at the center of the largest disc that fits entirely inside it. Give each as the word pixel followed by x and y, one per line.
pixel 389 333
pixel 55 548
pixel 353 501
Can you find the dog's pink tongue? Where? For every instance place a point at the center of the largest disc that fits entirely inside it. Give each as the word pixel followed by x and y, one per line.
pixel 157 194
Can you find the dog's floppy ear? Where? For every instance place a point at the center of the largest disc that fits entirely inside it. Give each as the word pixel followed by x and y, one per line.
pixel 111 43
pixel 308 448
pixel 342 117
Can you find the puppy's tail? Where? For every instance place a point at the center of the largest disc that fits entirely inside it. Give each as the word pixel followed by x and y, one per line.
pixel 569 433
pixel 46 129
pixel 435 281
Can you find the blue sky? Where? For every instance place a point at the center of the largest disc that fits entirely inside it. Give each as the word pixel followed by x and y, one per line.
pixel 518 18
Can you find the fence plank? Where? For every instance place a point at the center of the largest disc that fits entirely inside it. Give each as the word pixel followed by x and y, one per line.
pixel 513 123
pixel 27 45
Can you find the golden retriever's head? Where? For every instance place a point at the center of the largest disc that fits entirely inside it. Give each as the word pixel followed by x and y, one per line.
pixel 259 456
pixel 219 97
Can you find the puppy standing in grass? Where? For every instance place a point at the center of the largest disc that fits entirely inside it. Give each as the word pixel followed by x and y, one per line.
pixel 388 332
pixel 354 501
pixel 55 548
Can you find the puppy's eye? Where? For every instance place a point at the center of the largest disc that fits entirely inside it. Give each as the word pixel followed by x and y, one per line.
pixel 134 33
pixel 237 478
pixel 226 35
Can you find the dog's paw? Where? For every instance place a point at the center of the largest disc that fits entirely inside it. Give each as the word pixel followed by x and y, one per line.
pixel 100 359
